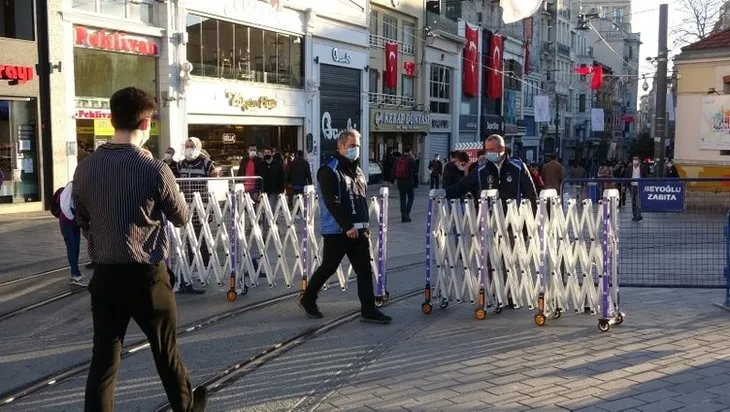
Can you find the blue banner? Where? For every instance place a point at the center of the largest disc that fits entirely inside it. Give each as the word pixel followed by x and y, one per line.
pixel 662 196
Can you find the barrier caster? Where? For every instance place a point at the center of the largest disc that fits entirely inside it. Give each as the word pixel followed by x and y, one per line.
pixel 444 304
pixel 558 314
pixel 540 319
pixel 603 325
pixel 426 308
pixel 498 309
pixel 620 318
pixel 480 314
pixel 231 295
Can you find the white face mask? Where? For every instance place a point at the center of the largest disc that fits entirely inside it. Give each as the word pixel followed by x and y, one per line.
pixel 168 156
pixel 190 153
pixel 252 153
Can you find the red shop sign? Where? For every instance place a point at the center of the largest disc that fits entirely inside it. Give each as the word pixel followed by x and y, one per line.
pixel 17 74
pixel 93 114
pixel 115 41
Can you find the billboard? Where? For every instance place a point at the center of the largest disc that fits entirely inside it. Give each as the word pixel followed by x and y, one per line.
pixel 715 123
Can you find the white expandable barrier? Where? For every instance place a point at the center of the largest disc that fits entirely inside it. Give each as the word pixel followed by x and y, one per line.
pixel 552 259
pixel 245 237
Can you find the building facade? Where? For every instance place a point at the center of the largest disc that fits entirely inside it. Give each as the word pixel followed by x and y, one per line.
pixel 22 160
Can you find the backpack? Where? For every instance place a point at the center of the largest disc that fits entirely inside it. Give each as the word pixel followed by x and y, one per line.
pixel 56 203
pixel 401 168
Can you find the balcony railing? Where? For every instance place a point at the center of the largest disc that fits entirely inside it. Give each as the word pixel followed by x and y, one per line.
pixel 379 41
pixel 391 100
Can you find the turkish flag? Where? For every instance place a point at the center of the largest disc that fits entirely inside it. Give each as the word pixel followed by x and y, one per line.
pixel 494 78
pixel 583 70
pixel 409 68
pixel 597 80
pixel 390 77
pixel 471 62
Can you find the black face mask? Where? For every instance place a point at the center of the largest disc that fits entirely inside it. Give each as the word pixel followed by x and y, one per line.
pixel 267 157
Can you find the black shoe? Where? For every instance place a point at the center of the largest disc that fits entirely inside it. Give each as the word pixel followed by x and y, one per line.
pixel 188 289
pixel 200 399
pixel 375 316
pixel 310 308
pixel 90 265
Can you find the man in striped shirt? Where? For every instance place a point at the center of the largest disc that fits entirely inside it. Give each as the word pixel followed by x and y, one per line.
pixel 121 194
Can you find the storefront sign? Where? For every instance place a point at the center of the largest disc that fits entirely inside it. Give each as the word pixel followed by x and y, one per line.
pixel 263 102
pixel 115 41
pixel 492 124
pixel 229 138
pixel 440 124
pixel 510 128
pixel 468 123
pixel 93 114
pixel 339 105
pixel 667 196
pixel 103 127
pixel 16 74
pixel 341 56
pixel 392 120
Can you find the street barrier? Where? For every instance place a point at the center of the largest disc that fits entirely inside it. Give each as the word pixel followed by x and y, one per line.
pixel 551 260
pixel 681 240
pixel 244 238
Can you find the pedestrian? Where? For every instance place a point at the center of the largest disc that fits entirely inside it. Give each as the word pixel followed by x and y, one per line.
pixel 406 173
pixel 122 197
pixel 536 178
pixel 672 170
pixel 455 169
pixel 251 166
pixel 510 176
pixel 579 172
pixel 272 173
pixel 553 173
pixel 170 161
pixel 299 173
pixel 345 219
pixel 437 169
pixel 196 166
pixel 636 171
pixel 63 209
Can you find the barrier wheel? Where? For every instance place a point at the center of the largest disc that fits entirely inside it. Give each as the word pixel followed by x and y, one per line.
pixel 540 319
pixel 558 314
pixel 620 318
pixel 426 308
pixel 603 325
pixel 498 309
pixel 444 304
pixel 231 295
pixel 480 314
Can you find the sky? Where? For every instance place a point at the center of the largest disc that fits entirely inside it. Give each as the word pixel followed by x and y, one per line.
pixel 645 20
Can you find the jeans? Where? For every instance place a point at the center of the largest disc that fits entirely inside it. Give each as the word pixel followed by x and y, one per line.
pixel 435 181
pixel 141 292
pixel 72 238
pixel 635 202
pixel 405 190
pixel 358 252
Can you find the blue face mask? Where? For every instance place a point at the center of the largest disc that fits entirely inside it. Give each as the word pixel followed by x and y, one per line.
pixel 493 156
pixel 353 153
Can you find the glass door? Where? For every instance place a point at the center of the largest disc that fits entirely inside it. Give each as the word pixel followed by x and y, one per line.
pixel 19 151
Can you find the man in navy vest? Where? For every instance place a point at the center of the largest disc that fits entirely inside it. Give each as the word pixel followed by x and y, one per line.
pixel 343 206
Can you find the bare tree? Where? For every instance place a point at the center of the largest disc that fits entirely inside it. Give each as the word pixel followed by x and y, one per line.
pixel 699 18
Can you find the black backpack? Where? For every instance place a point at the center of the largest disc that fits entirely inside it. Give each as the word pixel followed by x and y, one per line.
pixel 56 203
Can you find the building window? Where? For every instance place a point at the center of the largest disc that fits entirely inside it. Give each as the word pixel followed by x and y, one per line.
pixel 373 23
pixel 390 27
pixel 409 31
pixel 373 81
pixel 16 19
pixel 234 51
pixel 618 17
pixel 137 10
pixel 582 103
pixel 440 89
pixel 407 86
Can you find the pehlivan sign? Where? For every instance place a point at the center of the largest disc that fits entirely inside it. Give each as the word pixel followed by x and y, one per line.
pixel 399 120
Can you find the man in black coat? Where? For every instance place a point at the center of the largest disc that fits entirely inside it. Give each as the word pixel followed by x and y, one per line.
pixel 299 173
pixel 272 173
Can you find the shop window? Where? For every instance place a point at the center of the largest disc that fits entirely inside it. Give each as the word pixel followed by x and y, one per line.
pixel 234 51
pixel 136 10
pixel 16 19
pixel 19 166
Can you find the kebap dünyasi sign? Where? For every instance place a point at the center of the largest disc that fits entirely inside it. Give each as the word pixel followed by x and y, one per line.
pixel 662 196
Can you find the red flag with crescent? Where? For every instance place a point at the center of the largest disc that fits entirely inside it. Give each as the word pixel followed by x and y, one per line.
pixel 496 56
pixel 390 76
pixel 471 62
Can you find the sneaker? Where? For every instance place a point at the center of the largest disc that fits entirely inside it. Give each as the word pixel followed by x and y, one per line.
pixel 375 316
pixel 310 308
pixel 78 281
pixel 200 399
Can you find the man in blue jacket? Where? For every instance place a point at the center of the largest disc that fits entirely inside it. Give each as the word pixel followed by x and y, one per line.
pixel 343 206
